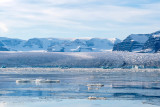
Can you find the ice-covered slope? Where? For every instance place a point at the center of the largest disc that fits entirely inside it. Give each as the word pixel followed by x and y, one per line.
pixel 12 44
pixel 2 47
pixel 78 59
pixel 58 45
pixel 84 45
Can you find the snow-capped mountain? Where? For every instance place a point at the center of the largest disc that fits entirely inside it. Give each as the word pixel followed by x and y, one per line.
pixel 58 45
pixel 139 43
pixel 83 45
pixel 2 47
pixel 8 44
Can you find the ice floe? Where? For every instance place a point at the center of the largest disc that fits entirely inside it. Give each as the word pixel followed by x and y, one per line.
pixel 37 81
pixel 96 98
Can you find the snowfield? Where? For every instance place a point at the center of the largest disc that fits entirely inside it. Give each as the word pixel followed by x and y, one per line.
pixel 79 59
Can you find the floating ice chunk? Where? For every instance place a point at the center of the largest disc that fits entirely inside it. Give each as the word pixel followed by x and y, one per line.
pixel 93 88
pixel 95 85
pixel 92 98
pixel 24 81
pixel 97 98
pixel 46 81
pixel 37 81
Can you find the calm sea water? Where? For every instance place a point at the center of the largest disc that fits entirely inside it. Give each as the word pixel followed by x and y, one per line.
pixel 121 88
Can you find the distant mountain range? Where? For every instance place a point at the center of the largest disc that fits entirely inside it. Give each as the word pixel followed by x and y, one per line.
pixel 144 43
pixel 58 45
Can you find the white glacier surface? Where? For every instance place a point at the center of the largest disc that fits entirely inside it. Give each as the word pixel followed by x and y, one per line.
pixel 79 59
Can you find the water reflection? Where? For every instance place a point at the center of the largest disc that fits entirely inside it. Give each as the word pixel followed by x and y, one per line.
pixel 119 85
pixel 80 103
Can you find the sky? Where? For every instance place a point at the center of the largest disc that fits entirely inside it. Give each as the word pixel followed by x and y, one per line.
pixel 26 19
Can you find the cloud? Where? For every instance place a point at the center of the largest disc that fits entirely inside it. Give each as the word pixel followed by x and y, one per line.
pixel 3 27
pixel 68 2
pixel 5 2
pixel 79 15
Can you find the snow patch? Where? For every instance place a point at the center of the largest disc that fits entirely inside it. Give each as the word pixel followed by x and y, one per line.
pixel 156 36
pixel 139 38
pixel 80 55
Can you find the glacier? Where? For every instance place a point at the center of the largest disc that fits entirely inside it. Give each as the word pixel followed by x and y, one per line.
pixel 109 59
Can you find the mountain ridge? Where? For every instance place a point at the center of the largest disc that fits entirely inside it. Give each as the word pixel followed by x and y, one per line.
pixel 58 44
